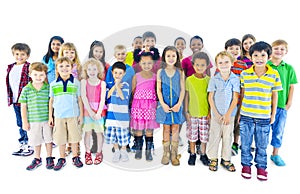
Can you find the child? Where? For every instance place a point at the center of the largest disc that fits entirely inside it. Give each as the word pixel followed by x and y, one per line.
pixel 117 121
pixel 223 97
pixel 288 79
pixel 143 109
pixel 34 101
pixel 247 41
pixel 180 45
pixel 51 55
pixel 66 102
pixel 197 107
pixel 93 91
pixel 16 79
pixel 136 44
pixel 170 92
pixel 260 84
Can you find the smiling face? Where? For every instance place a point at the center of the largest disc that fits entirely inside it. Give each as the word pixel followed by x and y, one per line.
pixel 55 46
pixel 64 69
pixel 71 54
pixel 196 45
pixel 92 71
pixel 171 57
pixel 146 63
pixel 137 43
pixel 118 74
pixel 120 55
pixel 247 44
pixel 20 56
pixel 200 65
pixel 279 51
pixel 180 45
pixel 234 50
pixel 38 77
pixel 149 43
pixel 224 64
pixel 98 52
pixel 259 58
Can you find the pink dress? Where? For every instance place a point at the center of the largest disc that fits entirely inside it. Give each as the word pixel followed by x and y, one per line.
pixel 143 108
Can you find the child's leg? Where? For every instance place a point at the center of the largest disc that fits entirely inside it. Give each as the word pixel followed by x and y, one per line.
pixel 149 142
pixel 49 149
pixel 37 151
pixel 166 133
pixel 62 149
pixel 246 134
pixel 166 144
pixel 174 145
pixel 175 132
pixel 23 134
pixel 138 138
pixel 87 141
pixel 100 141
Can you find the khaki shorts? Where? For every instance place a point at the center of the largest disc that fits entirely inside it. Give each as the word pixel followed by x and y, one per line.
pixel 40 132
pixel 67 130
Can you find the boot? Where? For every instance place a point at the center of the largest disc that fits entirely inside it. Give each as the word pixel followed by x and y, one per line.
pixel 139 146
pixel 166 155
pixel 149 142
pixel 174 156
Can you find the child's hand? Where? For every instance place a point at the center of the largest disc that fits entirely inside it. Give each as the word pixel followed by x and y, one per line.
pixel 80 120
pixel 26 126
pixel 97 116
pixel 272 119
pixel 226 119
pixel 166 108
pixel 176 108
pixel 92 114
pixel 188 118
pixel 51 122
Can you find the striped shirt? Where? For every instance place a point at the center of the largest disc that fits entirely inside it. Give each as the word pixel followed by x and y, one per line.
pixel 37 102
pixel 257 99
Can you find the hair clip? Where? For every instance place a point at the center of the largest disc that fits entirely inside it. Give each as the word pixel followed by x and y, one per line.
pixel 140 53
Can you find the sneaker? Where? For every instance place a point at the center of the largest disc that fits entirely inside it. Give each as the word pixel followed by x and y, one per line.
pixel 50 162
pixel 246 172
pixel 54 145
pixel 204 159
pixel 34 164
pixel 27 150
pixel 234 149
pixel 60 163
pixel 19 152
pixel 117 155
pixel 192 159
pixel 262 174
pixel 124 155
pixel 77 162
pixel 277 160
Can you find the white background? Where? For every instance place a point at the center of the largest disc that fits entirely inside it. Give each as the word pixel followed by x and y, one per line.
pixel 34 22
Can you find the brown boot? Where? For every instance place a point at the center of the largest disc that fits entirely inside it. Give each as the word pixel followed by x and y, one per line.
pixel 166 156
pixel 174 156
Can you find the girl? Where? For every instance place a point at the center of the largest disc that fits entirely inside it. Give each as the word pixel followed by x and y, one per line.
pixel 93 90
pixel 144 105
pixel 180 44
pixel 51 55
pixel 247 41
pixel 170 92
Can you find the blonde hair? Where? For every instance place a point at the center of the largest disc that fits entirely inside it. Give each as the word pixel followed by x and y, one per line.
pixel 280 42
pixel 92 61
pixel 60 60
pixel 70 46
pixel 119 47
pixel 38 66
pixel 223 54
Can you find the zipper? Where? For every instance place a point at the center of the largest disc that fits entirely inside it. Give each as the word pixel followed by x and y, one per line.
pixel 171 100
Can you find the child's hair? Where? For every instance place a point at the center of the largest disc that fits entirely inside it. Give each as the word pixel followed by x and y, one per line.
pixel 233 42
pixel 200 55
pixel 149 34
pixel 261 46
pixel 280 42
pixel 163 60
pixel 60 60
pixel 118 65
pixel 70 46
pixel 138 53
pixel 50 53
pixel 179 38
pixel 223 54
pixel 196 37
pixel 137 37
pixel 119 47
pixel 245 37
pixel 92 61
pixel 21 47
pixel 39 66
pixel 94 44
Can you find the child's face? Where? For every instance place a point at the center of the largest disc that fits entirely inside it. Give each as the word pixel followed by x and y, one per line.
pixel 146 63
pixel 20 56
pixel 98 52
pixel 180 45
pixel 224 64
pixel 259 58
pixel 279 51
pixel 149 43
pixel 196 45
pixel 55 45
pixel 247 44
pixel 170 57
pixel 120 55
pixel 137 43
pixel 70 54
pixel 200 66
pixel 118 74
pixel 92 71
pixel 234 50
pixel 64 69
pixel 38 77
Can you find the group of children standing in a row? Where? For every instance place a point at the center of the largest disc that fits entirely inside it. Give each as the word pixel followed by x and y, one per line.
pixel 250 91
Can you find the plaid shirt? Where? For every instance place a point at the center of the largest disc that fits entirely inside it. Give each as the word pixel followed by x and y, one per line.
pixel 23 82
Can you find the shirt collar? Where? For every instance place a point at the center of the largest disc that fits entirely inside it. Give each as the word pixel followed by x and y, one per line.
pixel 71 79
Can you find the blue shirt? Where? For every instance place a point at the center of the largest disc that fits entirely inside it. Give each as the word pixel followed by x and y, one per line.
pixel 51 69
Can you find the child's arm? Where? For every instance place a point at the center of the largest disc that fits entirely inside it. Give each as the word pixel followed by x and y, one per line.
pixel 133 84
pixel 102 101
pixel 84 98
pixel 290 97
pixel 186 106
pixel 119 86
pixel 227 115
pixel 159 93
pixel 50 117
pixel 213 106
pixel 80 104
pixel 274 106
pixel 177 106
pixel 25 124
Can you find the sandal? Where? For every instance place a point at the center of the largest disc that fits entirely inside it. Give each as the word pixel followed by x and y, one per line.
pixel 213 165
pixel 228 165
pixel 99 158
pixel 88 158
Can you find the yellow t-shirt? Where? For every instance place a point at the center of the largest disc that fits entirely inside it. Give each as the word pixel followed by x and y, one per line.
pixel 129 58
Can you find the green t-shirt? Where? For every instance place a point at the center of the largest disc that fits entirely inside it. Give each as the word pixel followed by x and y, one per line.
pixel 198 96
pixel 287 77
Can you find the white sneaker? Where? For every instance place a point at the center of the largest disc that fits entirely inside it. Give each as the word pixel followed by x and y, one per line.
pixel 124 156
pixel 27 150
pixel 117 155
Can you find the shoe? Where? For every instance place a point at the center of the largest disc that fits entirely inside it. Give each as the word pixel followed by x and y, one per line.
pixel 54 145
pixel 77 162
pixel 50 162
pixel 192 159
pixel 204 159
pixel 60 163
pixel 117 155
pixel 34 164
pixel 19 152
pixel 234 149
pixel 277 160
pixel 262 174
pixel 98 158
pixel 27 150
pixel 88 158
pixel 124 155
pixel 128 148
pixel 246 172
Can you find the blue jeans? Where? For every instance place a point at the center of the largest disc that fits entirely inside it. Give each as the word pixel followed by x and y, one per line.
pixel 278 127
pixel 260 129
pixel 24 138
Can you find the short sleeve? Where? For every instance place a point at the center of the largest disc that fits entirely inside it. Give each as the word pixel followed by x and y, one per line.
pixel 23 96
pixel 277 85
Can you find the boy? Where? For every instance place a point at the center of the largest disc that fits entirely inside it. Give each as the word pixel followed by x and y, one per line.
pixel 16 79
pixel 136 44
pixel 34 101
pixel 260 84
pixel 288 79
pixel 66 101
pixel 197 107
pixel 117 120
